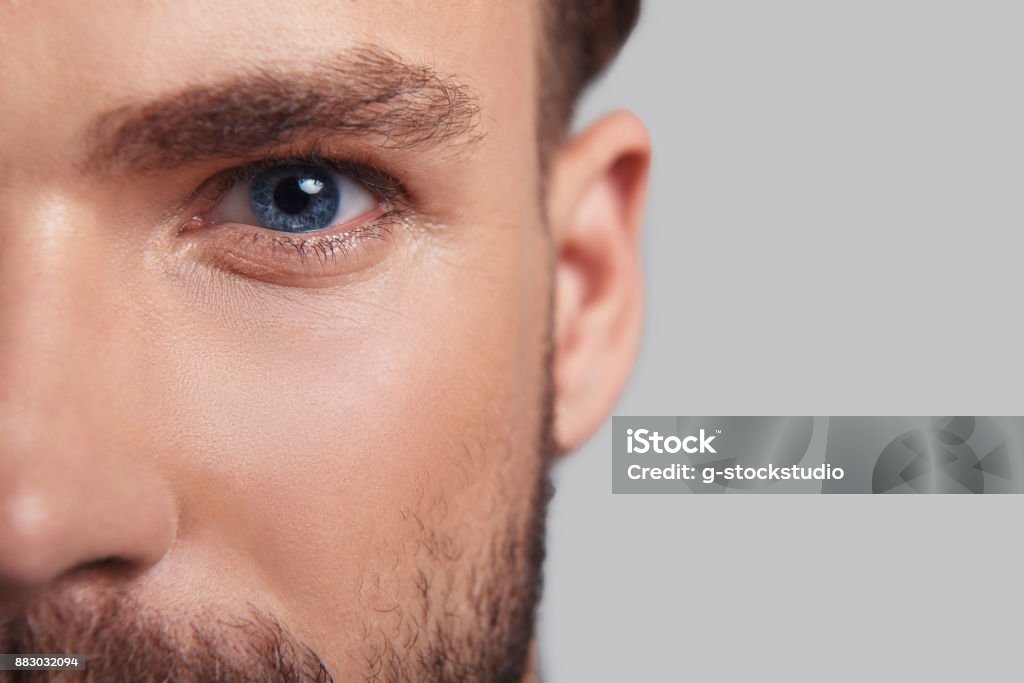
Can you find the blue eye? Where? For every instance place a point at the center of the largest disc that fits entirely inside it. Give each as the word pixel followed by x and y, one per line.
pixel 296 198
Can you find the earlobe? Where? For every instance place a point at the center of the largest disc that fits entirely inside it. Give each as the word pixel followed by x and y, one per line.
pixel 595 207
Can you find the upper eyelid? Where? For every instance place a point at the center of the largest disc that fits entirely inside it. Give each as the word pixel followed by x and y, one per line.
pixel 378 181
pixel 375 178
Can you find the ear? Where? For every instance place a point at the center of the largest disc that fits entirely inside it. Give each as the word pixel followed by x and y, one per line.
pixel 596 196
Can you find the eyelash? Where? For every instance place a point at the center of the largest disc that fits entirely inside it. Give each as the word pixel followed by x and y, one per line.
pixel 391 191
pixel 383 184
pixel 328 247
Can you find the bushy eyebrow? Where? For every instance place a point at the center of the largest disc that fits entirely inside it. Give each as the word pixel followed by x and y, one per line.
pixel 363 92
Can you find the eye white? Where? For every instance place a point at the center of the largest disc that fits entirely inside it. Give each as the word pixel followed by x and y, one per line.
pixel 356 200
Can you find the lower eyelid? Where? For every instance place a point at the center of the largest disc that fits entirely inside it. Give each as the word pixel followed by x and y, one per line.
pixel 326 246
pixel 322 258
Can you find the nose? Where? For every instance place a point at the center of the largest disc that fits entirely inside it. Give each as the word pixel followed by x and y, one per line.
pixel 77 489
pixel 58 517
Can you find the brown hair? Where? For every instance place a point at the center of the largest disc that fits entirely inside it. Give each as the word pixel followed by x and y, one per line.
pixel 583 37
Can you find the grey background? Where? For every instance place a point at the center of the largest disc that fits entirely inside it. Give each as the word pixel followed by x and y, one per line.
pixel 837 194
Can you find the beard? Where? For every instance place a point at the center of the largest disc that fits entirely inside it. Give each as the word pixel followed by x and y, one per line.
pixel 122 640
pixel 486 640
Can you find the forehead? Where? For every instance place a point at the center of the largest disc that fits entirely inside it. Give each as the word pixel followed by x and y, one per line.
pixel 66 58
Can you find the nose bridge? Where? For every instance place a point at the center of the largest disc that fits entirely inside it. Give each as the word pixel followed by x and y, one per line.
pixel 62 352
pixel 52 301
pixel 73 488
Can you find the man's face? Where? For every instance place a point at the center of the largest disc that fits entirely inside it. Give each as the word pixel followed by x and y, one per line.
pixel 275 295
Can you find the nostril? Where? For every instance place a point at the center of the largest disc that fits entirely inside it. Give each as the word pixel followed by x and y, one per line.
pixel 45 553
pixel 105 563
pixel 112 567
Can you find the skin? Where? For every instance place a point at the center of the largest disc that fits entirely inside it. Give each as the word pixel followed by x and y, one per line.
pixel 356 448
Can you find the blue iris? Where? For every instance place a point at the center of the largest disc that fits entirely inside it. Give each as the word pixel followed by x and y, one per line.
pixel 295 198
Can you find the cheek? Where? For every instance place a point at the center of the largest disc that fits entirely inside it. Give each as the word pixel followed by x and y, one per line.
pixel 312 431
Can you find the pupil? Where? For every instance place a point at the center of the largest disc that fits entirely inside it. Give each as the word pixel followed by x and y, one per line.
pixel 291 196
